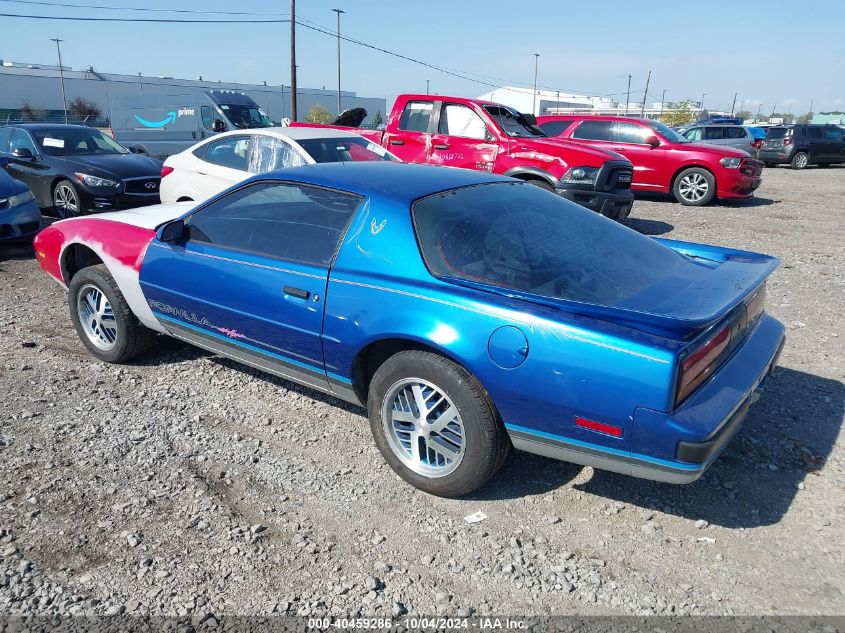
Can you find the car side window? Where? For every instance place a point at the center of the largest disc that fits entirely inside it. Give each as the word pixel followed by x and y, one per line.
pixel 288 221
pixel 228 152
pixel 694 134
pixel 714 133
pixel 594 131
pixel 631 133
pixel 5 135
pixel 555 128
pixel 22 140
pixel 416 116
pixel 268 153
pixel 207 117
pixel 831 133
pixel 814 133
pixel 459 120
pixel 735 132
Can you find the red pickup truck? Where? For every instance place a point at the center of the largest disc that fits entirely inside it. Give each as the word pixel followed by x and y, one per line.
pixel 487 136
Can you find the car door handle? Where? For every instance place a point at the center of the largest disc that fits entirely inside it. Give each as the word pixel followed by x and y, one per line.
pixel 620 149
pixel 396 141
pixel 440 146
pixel 202 173
pixel 299 293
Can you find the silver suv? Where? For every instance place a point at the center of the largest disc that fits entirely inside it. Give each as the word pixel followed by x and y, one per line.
pixel 724 135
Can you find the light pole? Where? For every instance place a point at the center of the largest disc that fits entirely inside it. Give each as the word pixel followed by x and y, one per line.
pixel 293 108
pixel 703 94
pixel 628 96
pixel 140 84
pixel 662 102
pixel 426 86
pixel 61 73
pixel 536 60
pixel 338 11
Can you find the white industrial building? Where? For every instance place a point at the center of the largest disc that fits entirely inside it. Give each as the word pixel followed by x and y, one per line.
pixel 557 102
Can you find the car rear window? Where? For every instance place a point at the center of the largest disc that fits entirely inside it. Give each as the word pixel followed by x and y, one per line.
pixel 777 132
pixel 342 150
pixel 519 237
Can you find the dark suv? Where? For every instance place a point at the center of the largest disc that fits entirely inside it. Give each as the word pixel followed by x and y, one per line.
pixel 802 145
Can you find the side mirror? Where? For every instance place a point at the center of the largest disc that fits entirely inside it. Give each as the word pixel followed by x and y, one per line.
pixel 488 136
pixel 218 126
pixel 23 153
pixel 652 140
pixel 173 232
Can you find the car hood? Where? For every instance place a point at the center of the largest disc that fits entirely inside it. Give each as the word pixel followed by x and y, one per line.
pixel 117 166
pixel 143 217
pixel 571 152
pixel 9 186
pixel 717 151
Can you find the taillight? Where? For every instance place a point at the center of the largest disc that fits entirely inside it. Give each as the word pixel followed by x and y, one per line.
pixel 754 308
pixel 756 144
pixel 787 141
pixel 166 170
pixel 700 364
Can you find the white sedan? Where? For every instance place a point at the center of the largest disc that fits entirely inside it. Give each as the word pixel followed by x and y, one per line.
pixel 219 162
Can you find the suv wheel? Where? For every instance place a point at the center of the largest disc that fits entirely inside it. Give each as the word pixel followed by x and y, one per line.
pixel 435 424
pixel 694 187
pixel 799 161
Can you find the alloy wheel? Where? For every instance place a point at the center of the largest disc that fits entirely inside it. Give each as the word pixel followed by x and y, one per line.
pixel 65 201
pixel 693 187
pixel 96 317
pixel 801 161
pixel 423 427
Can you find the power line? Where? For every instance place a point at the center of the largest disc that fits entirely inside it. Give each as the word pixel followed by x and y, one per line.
pixel 156 20
pixel 112 8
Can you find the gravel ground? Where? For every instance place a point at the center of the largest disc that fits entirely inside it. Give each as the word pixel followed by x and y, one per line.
pixel 186 484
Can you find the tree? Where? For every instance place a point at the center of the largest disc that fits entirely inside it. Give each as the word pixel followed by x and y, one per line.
pixel 318 114
pixel 28 113
pixel 377 120
pixel 804 118
pixel 680 113
pixel 79 108
pixel 744 115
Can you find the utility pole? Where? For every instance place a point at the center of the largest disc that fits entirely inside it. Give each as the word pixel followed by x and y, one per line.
pixel 628 97
pixel 61 74
pixel 140 84
pixel 536 60
pixel 293 60
pixel 338 11
pixel 426 86
pixel 283 101
pixel 645 94
pixel 662 101
pixel 701 105
pixel 733 105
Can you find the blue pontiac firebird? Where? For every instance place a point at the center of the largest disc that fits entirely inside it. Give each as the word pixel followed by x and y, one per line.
pixel 470 313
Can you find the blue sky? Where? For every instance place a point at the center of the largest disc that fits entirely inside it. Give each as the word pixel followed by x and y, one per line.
pixel 770 52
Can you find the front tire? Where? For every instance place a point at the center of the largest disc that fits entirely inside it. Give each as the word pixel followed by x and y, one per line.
pixel 694 187
pixel 799 161
pixel 103 319
pixel 435 425
pixel 66 200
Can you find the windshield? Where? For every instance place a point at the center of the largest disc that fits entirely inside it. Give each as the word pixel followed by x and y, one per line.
pixel 244 116
pixel 666 132
pixel 342 150
pixel 73 141
pixel 511 123
pixel 777 132
pixel 517 236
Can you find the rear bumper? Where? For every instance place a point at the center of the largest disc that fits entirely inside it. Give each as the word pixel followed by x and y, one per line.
pixel 678 447
pixel 774 156
pixel 613 204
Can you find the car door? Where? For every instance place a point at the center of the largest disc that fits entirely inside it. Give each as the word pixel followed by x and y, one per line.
pixel 34 172
pixel 629 139
pixel 462 139
pixel 714 135
pixel 248 276
pixel 833 150
pixel 596 133
pixel 221 164
pixel 815 140
pixel 411 140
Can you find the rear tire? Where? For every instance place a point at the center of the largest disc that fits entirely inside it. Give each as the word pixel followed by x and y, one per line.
pixel 542 184
pixel 408 396
pixel 103 319
pixel 770 164
pixel 694 187
pixel 799 161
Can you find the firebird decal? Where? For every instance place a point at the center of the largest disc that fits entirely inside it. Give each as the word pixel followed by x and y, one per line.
pixel 375 229
pixel 190 317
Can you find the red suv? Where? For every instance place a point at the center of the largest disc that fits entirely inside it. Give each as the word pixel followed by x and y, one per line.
pixel 664 161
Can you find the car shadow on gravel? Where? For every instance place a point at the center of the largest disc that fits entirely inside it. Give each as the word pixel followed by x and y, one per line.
pixel 734 203
pixel 648 227
pixel 785 441
pixel 16 251
pixel 781 448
